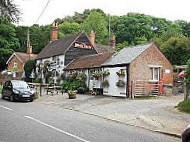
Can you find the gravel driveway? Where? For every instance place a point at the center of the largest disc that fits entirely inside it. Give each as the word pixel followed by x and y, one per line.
pixel 158 113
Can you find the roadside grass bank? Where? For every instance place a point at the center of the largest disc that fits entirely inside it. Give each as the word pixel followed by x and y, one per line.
pixel 184 106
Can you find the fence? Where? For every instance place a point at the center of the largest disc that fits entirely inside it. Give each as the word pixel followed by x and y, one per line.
pixel 146 88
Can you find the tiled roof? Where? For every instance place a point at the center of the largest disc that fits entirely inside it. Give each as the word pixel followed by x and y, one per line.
pixel 104 48
pixel 57 47
pixel 89 61
pixel 24 57
pixel 126 55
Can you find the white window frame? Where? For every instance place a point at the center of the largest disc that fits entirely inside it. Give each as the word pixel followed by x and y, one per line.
pixel 153 75
pixel 15 64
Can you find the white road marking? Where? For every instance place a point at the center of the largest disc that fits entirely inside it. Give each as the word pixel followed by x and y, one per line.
pixel 6 108
pixel 57 129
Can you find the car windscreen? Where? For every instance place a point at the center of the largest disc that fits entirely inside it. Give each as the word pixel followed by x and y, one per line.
pixel 20 85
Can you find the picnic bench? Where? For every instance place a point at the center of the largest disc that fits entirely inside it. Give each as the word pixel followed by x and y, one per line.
pixel 53 89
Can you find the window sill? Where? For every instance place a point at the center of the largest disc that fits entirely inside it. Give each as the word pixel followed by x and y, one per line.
pixel 153 81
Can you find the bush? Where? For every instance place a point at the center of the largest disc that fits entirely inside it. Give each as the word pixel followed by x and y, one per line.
pixel 28 67
pixel 37 80
pixel 184 106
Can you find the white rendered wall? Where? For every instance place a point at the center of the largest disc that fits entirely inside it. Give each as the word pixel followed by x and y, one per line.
pixel 113 78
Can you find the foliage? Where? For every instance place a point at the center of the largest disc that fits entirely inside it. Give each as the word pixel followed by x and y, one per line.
pixel 120 46
pixel 10 10
pixel 4 56
pixel 120 83
pixel 106 73
pixel 81 77
pixel 28 67
pixel 121 73
pixel 184 106
pixel 1 89
pixel 8 37
pixel 176 50
pixel 187 72
pixel 68 28
pixel 37 80
pixel 97 74
pixel 105 83
pixel 96 22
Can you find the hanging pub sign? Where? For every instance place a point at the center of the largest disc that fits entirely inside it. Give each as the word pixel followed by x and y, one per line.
pixel 83 45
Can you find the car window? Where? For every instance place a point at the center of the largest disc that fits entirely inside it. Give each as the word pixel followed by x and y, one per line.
pixel 20 85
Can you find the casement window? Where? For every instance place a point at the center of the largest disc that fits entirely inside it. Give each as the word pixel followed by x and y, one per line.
pixel 154 74
pixel 15 64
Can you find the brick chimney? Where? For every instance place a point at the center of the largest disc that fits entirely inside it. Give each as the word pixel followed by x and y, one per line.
pixel 112 41
pixel 54 31
pixel 29 48
pixel 92 38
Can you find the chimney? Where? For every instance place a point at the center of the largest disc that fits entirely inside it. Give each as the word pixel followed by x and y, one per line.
pixel 92 38
pixel 54 31
pixel 112 41
pixel 29 48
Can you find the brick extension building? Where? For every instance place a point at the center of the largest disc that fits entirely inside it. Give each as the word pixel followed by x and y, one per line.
pixel 144 71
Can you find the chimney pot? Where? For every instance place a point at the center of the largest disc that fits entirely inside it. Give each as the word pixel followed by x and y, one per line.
pixel 92 38
pixel 112 41
pixel 54 31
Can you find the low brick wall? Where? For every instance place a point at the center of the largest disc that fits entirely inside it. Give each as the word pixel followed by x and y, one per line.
pixel 4 78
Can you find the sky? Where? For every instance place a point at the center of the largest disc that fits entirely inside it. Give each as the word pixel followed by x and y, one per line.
pixel 169 9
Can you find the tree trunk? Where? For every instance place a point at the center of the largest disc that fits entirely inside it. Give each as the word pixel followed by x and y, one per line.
pixel 186 91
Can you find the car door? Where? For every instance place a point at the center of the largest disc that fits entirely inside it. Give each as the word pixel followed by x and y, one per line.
pixel 4 91
pixel 9 89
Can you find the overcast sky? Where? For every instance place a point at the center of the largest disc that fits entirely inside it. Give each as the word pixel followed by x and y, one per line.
pixel 169 9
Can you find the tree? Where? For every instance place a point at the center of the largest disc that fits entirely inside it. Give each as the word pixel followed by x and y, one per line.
pixel 29 66
pixel 8 37
pixel 121 45
pixel 9 10
pixel 176 50
pixel 187 81
pixel 95 21
pixel 133 26
pixel 68 28
pixel 4 56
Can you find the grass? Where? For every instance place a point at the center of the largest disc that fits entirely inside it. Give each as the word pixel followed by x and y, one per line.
pixel 184 106
pixel 0 89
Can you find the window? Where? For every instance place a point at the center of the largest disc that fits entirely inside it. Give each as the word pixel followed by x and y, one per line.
pixel 15 64
pixel 154 74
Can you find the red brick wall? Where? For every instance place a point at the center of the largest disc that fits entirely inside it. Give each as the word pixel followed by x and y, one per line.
pixel 139 69
pixel 11 64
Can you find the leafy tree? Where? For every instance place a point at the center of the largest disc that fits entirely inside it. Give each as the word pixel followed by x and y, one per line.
pixel 9 10
pixel 4 56
pixel 28 67
pixel 121 45
pixel 177 50
pixel 133 26
pixel 8 37
pixel 68 28
pixel 95 21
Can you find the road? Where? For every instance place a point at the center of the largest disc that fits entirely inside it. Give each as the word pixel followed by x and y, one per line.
pixel 34 122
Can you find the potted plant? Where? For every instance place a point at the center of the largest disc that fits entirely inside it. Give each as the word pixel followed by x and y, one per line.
pixel 106 73
pixel 120 83
pixel 121 73
pixel 72 94
pixel 105 83
pixel 96 75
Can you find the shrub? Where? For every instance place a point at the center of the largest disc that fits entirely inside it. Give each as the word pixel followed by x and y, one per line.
pixel 28 67
pixel 184 106
pixel 37 80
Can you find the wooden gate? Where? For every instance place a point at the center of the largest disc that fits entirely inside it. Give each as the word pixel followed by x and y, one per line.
pixel 145 88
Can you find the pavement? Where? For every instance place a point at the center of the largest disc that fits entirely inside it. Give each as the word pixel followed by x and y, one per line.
pixel 42 121
pixel 158 114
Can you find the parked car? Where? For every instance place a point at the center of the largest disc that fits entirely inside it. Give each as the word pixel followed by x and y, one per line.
pixel 17 90
pixel 186 135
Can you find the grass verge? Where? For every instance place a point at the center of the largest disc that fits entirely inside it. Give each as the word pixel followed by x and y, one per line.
pixel 184 106
pixel 0 90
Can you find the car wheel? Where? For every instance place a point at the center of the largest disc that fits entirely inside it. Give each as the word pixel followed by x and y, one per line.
pixel 12 98
pixel 2 96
